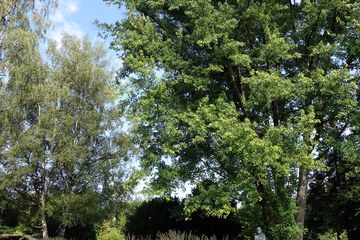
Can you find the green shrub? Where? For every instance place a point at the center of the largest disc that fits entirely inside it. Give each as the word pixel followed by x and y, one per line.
pixel 109 232
pixel 112 234
pixel 19 230
pixel 331 235
pixel 6 230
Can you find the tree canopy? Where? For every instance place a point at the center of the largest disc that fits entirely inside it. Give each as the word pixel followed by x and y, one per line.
pixel 61 144
pixel 242 99
pixel 253 104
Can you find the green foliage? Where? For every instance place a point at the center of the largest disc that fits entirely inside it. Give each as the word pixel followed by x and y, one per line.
pixel 161 215
pixel 331 235
pixel 149 218
pixel 61 144
pixel 19 230
pixel 60 139
pixel 334 197
pixel 247 95
pixel 23 24
pixel 89 156
pixel 6 229
pixel 109 232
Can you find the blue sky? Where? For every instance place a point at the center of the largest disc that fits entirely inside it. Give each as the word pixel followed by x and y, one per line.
pixel 77 16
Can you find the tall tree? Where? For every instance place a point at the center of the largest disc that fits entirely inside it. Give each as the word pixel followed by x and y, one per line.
pixel 62 145
pixel 23 24
pixel 86 144
pixel 240 94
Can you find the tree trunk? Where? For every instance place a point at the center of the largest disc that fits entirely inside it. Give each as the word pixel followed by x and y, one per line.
pixel 301 201
pixel 44 227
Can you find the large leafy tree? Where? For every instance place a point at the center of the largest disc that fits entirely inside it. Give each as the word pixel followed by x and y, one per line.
pixel 23 24
pixel 240 98
pixel 85 142
pixel 60 143
pixel 61 146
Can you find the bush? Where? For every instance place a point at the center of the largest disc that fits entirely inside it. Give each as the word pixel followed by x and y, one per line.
pixel 331 235
pixel 19 230
pixel 162 215
pixel 6 230
pixel 109 232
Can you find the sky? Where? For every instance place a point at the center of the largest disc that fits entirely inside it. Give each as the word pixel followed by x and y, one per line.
pixel 76 17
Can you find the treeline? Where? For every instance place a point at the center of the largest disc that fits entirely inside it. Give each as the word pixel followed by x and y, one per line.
pixel 253 104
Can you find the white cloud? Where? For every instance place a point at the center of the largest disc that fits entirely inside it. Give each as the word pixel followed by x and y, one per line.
pixel 65 9
pixel 72 7
pixel 68 27
pixel 63 23
pixel 58 17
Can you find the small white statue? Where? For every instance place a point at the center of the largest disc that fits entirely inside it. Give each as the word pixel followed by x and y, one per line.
pixel 259 234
